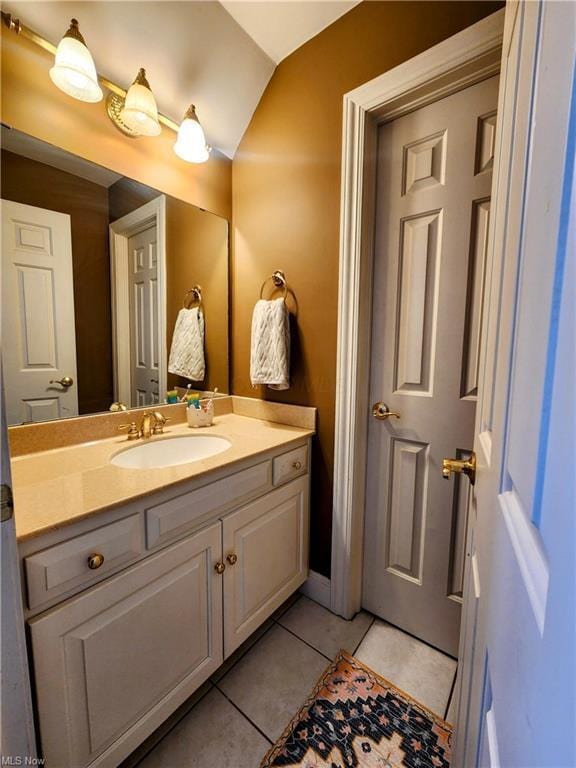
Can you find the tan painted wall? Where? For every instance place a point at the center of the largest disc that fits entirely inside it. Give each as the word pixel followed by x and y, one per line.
pixel 197 254
pixel 31 103
pixel 286 198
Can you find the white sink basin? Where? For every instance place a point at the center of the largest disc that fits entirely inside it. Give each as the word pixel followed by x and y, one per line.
pixel 170 451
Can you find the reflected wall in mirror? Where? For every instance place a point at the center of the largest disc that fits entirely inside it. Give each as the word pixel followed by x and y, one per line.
pixel 95 270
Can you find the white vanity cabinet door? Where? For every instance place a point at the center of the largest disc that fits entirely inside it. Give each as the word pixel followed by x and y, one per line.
pixel 113 663
pixel 266 553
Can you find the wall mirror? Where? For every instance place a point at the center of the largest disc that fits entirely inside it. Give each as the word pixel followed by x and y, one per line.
pixel 95 270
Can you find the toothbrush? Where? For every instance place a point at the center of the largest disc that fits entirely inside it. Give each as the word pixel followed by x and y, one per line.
pixel 185 395
pixel 208 402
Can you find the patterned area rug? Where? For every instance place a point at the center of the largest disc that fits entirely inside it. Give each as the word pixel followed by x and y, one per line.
pixel 356 719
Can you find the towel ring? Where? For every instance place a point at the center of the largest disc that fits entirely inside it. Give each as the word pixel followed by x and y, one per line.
pixel 279 279
pixel 196 297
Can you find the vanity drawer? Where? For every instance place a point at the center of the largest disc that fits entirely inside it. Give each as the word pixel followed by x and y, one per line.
pixel 290 465
pixel 172 519
pixel 64 567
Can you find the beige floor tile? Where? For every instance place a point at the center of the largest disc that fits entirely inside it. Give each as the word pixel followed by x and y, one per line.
pixel 213 735
pixel 324 630
pixel 239 652
pixel 414 667
pixel 294 598
pixel 160 733
pixel 271 682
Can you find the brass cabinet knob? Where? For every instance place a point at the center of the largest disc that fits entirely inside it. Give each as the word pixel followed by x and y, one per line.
pixel 95 560
pixel 381 411
pixel 219 567
pixel 232 558
pixel 464 466
pixel 297 464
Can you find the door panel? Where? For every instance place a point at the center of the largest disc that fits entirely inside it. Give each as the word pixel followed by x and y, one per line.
pixel 270 540
pixel 143 271
pixel 433 206
pixel 517 700
pixel 104 659
pixel 38 310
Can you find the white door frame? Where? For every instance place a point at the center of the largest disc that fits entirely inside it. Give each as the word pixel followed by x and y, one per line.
pixel 121 231
pixel 17 736
pixel 458 62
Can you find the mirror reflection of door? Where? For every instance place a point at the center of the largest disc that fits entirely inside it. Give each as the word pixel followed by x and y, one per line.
pixel 138 267
pixel 38 327
pixel 143 266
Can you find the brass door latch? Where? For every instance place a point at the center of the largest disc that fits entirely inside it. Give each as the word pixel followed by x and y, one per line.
pixel 6 502
pixel 464 466
pixel 381 411
pixel 65 381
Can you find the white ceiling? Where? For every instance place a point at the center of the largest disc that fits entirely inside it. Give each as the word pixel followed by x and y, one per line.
pixel 219 56
pixel 281 26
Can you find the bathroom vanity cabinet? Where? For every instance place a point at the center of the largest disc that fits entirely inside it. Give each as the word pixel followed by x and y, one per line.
pixel 129 611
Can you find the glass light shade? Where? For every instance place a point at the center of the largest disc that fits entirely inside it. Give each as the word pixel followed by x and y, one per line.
pixel 74 71
pixel 191 142
pixel 140 111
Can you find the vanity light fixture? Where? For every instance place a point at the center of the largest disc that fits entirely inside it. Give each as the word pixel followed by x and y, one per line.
pixel 140 112
pixel 133 112
pixel 74 71
pixel 191 142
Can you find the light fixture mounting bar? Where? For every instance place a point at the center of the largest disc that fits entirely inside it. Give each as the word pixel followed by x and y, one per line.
pixel 21 29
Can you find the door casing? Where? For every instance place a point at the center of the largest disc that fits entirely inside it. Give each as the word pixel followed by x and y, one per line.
pixel 458 62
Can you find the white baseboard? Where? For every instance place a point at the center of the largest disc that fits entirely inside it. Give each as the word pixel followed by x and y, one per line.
pixel 317 588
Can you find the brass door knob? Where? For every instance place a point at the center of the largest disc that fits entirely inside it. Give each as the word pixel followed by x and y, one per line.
pixel 232 558
pixel 95 560
pixel 219 567
pixel 381 411
pixel 65 381
pixel 297 464
pixel 464 466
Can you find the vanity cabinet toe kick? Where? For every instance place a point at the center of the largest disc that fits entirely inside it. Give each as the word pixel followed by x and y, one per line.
pixel 144 608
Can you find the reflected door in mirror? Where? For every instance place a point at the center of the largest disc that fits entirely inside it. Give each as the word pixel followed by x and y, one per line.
pixel 144 357
pixel 38 328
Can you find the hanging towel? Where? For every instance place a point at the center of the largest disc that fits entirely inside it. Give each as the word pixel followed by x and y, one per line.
pixel 270 350
pixel 187 352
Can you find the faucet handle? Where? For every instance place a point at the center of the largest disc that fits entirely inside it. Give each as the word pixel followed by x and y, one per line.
pixel 159 422
pixel 133 431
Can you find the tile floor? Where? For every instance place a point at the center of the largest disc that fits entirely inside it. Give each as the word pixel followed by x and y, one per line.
pixel 239 713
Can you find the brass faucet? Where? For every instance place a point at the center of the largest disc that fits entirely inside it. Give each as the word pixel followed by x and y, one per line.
pixel 152 424
pixel 146 426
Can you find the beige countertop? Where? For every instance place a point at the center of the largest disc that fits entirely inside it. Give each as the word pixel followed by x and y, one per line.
pixel 57 487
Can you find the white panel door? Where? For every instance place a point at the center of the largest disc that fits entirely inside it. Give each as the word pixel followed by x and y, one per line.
pixel 38 326
pixel 137 645
pixel 143 278
pixel 518 651
pixel 432 212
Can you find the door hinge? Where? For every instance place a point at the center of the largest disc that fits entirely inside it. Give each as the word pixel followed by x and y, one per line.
pixel 6 503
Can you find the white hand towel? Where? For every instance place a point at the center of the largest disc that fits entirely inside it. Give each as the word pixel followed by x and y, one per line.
pixel 270 350
pixel 187 351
